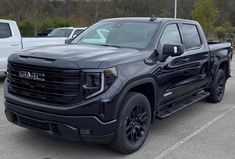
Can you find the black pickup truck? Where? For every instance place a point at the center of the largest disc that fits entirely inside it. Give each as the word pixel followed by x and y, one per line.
pixel 110 82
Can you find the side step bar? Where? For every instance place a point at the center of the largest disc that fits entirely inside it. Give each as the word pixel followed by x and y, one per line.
pixel 169 110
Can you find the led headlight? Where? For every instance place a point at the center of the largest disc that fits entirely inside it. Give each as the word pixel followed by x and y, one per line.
pixel 92 80
pixel 110 76
pixel 97 81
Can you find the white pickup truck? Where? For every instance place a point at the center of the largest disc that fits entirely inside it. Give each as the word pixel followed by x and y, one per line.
pixel 12 42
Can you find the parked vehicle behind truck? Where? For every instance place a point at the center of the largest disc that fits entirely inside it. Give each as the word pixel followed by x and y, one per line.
pixel 12 42
pixel 67 32
pixel 45 32
pixel 111 90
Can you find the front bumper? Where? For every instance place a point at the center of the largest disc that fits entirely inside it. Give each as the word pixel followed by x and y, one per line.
pixel 75 128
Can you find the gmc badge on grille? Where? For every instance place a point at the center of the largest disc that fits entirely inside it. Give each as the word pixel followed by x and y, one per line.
pixel 32 76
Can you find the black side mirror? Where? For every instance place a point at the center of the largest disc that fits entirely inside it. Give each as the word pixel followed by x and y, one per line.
pixel 173 50
pixel 68 41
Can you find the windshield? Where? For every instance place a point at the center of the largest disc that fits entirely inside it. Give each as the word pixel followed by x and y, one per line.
pixel 120 34
pixel 60 33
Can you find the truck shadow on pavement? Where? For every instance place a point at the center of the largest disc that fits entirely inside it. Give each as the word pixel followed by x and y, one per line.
pixel 2 79
pixel 53 147
pixel 172 128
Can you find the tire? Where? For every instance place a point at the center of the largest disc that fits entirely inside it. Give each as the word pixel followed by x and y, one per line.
pixel 134 122
pixel 218 87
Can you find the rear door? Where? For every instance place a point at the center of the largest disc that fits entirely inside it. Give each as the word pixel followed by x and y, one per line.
pixel 8 44
pixel 198 57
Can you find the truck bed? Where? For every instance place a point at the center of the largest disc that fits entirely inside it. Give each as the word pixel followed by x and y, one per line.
pixel 31 42
pixel 216 45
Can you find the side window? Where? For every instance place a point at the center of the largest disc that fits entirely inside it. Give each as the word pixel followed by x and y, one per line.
pixel 77 32
pixel 191 36
pixel 5 31
pixel 171 35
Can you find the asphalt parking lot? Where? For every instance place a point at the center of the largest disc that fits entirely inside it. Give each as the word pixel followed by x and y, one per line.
pixel 201 131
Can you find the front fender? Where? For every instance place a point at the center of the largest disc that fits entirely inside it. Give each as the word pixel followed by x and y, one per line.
pixel 132 84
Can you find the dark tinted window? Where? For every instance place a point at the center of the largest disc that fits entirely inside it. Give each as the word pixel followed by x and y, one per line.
pixel 77 32
pixel 171 35
pixel 5 31
pixel 191 36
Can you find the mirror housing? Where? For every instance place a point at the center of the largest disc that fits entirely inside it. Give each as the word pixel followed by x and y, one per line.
pixel 173 50
pixel 68 41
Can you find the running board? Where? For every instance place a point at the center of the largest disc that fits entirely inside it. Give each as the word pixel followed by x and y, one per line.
pixel 169 110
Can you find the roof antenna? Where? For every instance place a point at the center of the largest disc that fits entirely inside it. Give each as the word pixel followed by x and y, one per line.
pixel 153 18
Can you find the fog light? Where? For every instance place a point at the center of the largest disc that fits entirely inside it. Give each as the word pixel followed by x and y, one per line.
pixel 85 131
pixel 54 128
pixel 14 118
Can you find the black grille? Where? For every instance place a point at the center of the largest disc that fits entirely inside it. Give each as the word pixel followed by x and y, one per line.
pixel 57 87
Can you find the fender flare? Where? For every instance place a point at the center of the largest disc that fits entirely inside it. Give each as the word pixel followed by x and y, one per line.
pixel 219 64
pixel 134 83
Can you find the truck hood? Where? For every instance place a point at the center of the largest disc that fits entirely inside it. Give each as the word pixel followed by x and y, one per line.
pixel 85 56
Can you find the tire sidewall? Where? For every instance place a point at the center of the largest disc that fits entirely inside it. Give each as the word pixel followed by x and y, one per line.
pixel 220 74
pixel 130 103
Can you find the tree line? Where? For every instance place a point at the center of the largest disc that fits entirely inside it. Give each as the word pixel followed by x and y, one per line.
pixel 33 16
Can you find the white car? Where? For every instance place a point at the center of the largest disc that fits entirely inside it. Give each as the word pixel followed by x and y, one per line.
pixel 12 42
pixel 68 32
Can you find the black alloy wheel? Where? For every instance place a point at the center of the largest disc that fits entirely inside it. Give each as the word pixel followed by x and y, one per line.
pixel 218 87
pixel 134 122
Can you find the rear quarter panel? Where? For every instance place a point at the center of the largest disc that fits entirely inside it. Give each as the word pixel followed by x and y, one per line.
pixel 220 53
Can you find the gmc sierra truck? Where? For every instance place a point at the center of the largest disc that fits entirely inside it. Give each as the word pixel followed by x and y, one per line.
pixel 110 90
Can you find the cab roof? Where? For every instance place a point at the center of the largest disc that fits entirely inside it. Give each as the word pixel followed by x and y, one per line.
pixel 147 19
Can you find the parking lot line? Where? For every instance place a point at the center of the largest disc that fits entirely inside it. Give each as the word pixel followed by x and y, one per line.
pixel 193 134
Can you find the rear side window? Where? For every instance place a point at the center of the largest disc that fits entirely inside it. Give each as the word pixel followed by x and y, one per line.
pixel 5 31
pixel 191 36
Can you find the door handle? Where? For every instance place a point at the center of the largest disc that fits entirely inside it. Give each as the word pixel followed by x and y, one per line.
pixel 186 73
pixel 185 60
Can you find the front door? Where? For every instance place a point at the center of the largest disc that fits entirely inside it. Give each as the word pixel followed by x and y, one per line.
pixel 174 74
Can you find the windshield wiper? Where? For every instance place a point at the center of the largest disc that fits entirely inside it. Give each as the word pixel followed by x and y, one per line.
pixel 110 45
